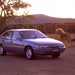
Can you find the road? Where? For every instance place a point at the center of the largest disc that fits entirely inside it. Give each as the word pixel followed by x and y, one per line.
pixel 13 64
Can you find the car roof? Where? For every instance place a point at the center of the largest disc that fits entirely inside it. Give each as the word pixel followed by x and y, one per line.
pixel 22 30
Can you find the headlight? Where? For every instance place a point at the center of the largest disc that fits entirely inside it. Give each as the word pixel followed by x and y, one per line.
pixel 41 46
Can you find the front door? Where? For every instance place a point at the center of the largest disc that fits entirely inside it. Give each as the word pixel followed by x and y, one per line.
pixel 17 45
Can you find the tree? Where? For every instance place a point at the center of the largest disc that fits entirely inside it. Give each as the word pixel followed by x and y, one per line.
pixel 8 8
pixel 23 5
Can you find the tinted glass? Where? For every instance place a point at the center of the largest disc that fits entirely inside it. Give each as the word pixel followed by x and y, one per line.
pixel 15 35
pixel 32 34
pixel 7 35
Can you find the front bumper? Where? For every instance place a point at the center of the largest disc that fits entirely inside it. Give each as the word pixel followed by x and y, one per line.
pixel 47 51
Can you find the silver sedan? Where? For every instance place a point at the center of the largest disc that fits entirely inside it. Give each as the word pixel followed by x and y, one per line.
pixel 30 42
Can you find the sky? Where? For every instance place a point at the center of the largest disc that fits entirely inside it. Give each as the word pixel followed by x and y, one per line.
pixel 54 8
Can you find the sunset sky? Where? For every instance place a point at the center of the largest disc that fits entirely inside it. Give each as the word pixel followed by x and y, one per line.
pixel 55 8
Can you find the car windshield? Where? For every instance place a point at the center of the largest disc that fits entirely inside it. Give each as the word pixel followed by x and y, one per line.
pixel 32 34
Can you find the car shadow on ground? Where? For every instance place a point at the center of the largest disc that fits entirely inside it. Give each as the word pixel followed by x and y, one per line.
pixel 38 57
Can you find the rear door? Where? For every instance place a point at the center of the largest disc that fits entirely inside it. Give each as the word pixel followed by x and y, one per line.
pixel 6 40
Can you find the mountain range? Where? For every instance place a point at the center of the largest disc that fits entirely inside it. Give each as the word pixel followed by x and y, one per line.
pixel 41 19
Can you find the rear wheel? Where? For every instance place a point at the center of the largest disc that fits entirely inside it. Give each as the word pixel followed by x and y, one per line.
pixel 29 53
pixel 55 55
pixel 2 51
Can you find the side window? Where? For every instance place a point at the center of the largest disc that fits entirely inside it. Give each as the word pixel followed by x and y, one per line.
pixel 7 35
pixel 15 36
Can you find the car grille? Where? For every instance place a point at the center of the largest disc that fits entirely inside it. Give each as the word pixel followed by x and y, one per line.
pixel 54 47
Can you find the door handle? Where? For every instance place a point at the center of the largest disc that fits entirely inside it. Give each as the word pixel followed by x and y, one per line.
pixel 2 40
pixel 11 41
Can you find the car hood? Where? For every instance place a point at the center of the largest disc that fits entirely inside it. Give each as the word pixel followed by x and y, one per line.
pixel 44 41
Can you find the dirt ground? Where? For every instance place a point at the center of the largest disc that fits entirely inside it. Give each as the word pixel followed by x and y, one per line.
pixel 13 64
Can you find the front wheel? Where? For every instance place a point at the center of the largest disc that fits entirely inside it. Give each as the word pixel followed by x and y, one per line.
pixel 29 53
pixel 2 51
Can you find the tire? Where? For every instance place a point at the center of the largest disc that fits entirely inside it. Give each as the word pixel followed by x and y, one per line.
pixel 29 53
pixel 2 51
pixel 55 55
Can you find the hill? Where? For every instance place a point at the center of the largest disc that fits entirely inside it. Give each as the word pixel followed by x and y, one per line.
pixel 41 19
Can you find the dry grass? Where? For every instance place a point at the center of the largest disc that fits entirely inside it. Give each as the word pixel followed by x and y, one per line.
pixel 55 36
